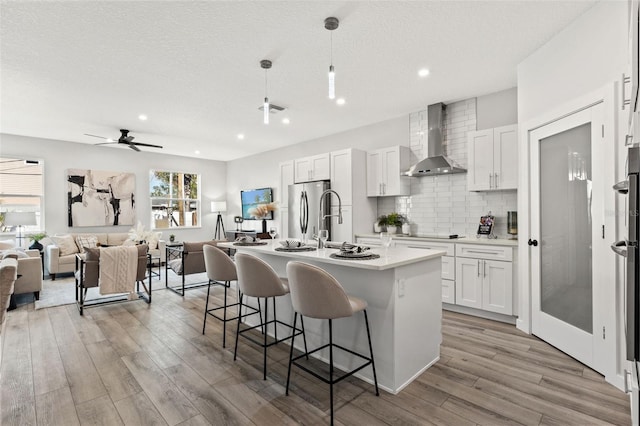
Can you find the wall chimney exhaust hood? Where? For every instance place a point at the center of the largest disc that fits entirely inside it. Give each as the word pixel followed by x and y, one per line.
pixel 436 162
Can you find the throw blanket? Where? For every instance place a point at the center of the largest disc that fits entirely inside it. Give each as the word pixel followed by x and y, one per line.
pixel 118 269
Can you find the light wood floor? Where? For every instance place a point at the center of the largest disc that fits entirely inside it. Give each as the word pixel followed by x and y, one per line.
pixel 135 364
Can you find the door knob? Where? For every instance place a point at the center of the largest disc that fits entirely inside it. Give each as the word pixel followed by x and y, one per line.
pixel 532 242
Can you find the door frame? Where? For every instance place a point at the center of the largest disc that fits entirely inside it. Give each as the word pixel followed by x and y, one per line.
pixel 608 352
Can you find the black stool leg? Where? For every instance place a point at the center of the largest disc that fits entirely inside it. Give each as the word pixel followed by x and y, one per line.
pixel 206 307
pixel 224 316
pixel 304 336
pixel 331 367
pixel 235 351
pixel 295 317
pixel 373 365
pixel 264 348
pixel 275 323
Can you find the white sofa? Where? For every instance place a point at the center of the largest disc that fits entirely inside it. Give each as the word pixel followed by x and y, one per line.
pixel 57 263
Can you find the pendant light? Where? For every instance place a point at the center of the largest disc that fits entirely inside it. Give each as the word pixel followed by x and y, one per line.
pixel 265 64
pixel 331 24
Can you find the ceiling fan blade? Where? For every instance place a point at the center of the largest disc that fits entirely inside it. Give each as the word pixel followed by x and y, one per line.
pixel 133 147
pixel 146 144
pixel 105 143
pixel 95 136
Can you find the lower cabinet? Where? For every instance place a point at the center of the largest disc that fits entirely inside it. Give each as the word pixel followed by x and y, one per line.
pixel 482 282
pixel 479 276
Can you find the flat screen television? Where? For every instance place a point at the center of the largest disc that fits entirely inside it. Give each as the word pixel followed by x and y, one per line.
pixel 257 204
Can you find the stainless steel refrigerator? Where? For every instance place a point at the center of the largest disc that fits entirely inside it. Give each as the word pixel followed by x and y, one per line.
pixel 304 209
pixel 629 248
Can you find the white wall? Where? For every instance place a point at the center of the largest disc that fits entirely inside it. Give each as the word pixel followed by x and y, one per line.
pixel 58 156
pixel 261 170
pixel 497 109
pixel 588 54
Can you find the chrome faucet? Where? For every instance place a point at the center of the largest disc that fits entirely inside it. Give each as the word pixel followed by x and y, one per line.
pixel 322 217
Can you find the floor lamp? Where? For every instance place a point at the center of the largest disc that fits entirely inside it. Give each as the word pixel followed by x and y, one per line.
pixel 219 207
pixel 20 219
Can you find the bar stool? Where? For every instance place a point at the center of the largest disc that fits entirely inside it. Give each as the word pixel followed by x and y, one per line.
pixel 221 270
pixel 257 279
pixel 317 294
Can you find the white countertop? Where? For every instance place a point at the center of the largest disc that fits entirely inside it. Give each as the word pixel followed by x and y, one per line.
pixel 394 258
pixel 465 240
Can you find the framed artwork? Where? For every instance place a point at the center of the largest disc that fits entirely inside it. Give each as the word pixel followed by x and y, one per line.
pixel 100 198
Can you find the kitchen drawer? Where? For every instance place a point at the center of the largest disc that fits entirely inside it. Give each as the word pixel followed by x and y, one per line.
pixel 448 268
pixel 433 245
pixel 480 251
pixel 448 291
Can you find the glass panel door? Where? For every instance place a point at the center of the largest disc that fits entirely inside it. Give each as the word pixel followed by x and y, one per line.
pixel 566 286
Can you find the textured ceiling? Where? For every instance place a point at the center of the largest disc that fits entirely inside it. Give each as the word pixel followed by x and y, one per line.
pixel 75 67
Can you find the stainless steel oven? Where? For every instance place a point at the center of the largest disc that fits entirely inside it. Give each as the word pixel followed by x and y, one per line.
pixel 629 249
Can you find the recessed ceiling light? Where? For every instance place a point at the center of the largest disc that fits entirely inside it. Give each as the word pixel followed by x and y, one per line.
pixel 142 117
pixel 197 152
pixel 240 136
pixel 285 121
pixel 340 101
pixel 423 72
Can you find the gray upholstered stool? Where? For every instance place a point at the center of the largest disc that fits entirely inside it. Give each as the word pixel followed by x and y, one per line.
pixel 257 279
pixel 221 270
pixel 317 294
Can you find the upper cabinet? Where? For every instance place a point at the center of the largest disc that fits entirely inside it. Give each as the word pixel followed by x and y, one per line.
pixel 316 167
pixel 384 169
pixel 493 159
pixel 286 179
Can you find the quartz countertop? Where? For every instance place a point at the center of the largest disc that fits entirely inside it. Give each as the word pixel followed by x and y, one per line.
pixel 394 257
pixel 464 240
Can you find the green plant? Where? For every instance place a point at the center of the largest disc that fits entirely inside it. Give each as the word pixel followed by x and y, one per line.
pixel 37 237
pixel 383 220
pixel 395 219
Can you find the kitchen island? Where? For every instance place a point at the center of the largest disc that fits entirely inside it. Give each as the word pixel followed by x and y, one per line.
pixel 403 291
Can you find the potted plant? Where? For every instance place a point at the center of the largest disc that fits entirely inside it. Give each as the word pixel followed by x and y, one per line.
pixel 172 237
pixel 380 224
pixel 394 220
pixel 36 240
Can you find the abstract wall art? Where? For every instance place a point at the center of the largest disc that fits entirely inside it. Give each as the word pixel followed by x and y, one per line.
pixel 100 198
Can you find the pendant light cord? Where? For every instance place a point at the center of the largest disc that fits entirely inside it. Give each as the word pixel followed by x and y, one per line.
pixel 331 44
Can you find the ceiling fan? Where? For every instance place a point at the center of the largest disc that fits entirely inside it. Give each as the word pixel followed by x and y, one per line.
pixel 124 139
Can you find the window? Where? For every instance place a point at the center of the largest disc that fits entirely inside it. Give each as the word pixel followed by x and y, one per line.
pixel 21 191
pixel 175 199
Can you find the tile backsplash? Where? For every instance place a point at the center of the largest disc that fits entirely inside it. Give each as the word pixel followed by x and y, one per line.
pixel 442 204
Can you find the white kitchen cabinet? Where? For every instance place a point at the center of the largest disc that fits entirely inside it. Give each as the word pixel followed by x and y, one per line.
pixel 493 159
pixel 348 172
pixel 344 230
pixel 283 223
pixel 315 167
pixel 384 171
pixel 483 282
pixel 286 179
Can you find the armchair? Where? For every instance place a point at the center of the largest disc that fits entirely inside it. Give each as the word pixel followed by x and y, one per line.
pixel 185 260
pixel 87 275
pixel 29 272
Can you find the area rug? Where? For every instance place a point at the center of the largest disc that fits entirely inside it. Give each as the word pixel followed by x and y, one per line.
pixel 62 290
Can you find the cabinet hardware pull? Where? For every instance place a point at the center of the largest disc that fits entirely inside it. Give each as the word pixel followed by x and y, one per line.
pixel 495 180
pixel 484 268
pixel 490 182
pixel 625 101
pixel 478 268
pixel 483 252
